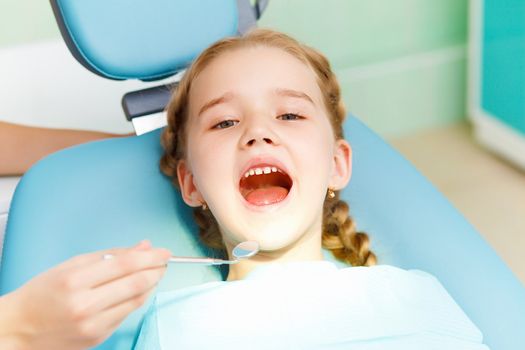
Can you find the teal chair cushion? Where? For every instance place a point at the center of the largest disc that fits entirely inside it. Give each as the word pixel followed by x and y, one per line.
pixel 111 193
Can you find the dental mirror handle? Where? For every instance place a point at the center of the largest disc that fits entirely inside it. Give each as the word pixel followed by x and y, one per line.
pixel 202 261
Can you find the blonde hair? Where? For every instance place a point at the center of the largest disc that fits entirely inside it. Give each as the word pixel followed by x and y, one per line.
pixel 339 229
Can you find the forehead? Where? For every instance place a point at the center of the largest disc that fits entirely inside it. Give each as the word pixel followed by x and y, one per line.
pixel 253 70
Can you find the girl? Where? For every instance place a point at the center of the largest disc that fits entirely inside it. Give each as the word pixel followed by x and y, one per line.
pixel 255 143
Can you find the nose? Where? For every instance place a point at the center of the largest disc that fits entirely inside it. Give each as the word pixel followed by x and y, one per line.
pixel 252 141
pixel 258 131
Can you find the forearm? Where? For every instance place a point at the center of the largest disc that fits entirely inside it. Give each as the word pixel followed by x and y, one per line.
pixel 22 146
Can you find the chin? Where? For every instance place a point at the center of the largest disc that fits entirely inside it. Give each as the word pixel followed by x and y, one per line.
pixel 273 239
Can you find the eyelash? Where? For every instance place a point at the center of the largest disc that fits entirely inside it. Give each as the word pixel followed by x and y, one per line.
pixel 218 125
pixel 298 117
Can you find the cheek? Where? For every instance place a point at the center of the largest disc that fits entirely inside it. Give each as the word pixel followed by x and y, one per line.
pixel 313 158
pixel 212 163
pixel 199 158
pixel 317 146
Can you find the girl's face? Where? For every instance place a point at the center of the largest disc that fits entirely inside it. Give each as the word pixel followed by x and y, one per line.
pixel 260 149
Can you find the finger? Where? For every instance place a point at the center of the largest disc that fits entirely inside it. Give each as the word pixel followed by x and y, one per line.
pixel 143 245
pixel 105 322
pixel 116 314
pixel 120 290
pixel 90 258
pixel 105 271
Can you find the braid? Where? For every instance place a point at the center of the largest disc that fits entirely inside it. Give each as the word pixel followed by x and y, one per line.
pixel 340 236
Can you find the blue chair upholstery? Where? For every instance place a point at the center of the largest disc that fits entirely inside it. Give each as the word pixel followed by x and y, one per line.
pixel 136 39
pixel 111 193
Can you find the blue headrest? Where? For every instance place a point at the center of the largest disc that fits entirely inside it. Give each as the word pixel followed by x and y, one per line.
pixel 137 39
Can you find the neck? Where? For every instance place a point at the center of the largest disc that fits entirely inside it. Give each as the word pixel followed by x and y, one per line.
pixel 307 248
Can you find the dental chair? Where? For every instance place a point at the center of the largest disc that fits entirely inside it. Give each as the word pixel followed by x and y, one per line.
pixel 111 193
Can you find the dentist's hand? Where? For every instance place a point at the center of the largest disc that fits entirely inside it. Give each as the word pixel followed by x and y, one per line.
pixel 79 303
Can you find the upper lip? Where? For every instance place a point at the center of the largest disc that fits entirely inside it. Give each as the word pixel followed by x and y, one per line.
pixel 263 161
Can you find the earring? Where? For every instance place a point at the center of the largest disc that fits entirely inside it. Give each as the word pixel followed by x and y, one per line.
pixel 331 193
pixel 204 206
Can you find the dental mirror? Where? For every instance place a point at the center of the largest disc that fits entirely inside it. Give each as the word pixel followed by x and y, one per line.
pixel 245 250
pixel 241 251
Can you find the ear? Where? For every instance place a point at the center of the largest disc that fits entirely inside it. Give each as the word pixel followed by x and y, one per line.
pixel 190 193
pixel 342 165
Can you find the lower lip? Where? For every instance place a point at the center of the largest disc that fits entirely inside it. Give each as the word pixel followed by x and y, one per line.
pixel 268 207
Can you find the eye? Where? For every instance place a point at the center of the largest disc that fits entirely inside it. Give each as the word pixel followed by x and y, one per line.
pixel 225 124
pixel 290 116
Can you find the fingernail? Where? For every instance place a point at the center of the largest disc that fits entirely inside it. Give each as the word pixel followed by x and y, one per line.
pixel 143 245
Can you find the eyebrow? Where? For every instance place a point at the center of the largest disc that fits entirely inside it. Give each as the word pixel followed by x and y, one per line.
pixel 295 94
pixel 230 95
pixel 213 102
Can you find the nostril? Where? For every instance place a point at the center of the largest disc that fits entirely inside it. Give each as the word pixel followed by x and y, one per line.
pixel 253 141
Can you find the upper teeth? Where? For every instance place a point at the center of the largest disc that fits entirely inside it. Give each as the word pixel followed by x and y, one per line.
pixel 259 171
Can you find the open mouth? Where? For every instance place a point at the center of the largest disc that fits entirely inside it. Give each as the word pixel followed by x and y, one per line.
pixel 265 185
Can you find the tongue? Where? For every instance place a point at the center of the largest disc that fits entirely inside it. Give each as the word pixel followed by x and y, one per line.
pixel 267 195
